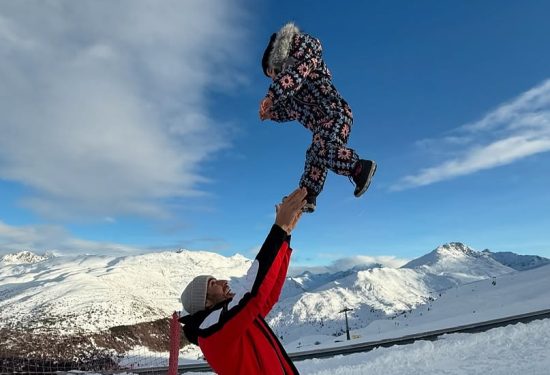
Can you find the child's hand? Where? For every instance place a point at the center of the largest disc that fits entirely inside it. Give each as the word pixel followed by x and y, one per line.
pixel 265 109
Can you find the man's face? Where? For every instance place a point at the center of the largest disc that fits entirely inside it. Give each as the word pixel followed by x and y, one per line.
pixel 218 291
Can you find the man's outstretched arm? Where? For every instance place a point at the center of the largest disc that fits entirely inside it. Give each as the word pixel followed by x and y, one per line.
pixel 264 274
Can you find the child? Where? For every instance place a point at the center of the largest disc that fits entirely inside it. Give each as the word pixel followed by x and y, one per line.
pixel 302 90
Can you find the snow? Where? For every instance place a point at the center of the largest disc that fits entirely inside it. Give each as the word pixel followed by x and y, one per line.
pixel 513 294
pixel 311 303
pixel 23 257
pixel 451 286
pixel 460 262
pixel 514 349
pixel 517 349
pixel 516 261
pixel 91 293
pixel 372 294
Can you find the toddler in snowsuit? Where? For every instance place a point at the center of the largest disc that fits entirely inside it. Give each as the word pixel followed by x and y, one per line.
pixel 302 90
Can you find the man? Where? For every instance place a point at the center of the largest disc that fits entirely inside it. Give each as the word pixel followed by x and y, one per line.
pixel 229 326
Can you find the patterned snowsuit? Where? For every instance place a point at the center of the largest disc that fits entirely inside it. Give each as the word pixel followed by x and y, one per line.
pixel 303 91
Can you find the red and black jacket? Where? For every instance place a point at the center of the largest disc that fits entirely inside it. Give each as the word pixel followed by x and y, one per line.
pixel 233 336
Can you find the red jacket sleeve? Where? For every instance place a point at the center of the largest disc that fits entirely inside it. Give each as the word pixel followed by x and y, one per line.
pixel 272 262
pixel 279 282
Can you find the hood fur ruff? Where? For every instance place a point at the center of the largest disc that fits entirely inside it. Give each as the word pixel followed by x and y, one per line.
pixel 281 46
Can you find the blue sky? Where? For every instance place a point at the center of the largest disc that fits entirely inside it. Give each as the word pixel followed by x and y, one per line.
pixel 132 126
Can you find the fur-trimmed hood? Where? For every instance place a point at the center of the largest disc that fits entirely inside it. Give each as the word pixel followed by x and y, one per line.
pixel 282 45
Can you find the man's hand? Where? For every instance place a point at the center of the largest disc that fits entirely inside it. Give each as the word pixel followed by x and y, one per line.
pixel 288 212
pixel 265 109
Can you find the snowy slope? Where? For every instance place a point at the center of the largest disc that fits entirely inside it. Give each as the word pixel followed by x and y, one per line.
pixel 511 294
pixel 511 350
pixel 507 295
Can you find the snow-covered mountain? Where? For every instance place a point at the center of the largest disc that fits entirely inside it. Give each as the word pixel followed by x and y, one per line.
pixel 90 293
pixel 508 295
pixel 516 261
pixel 23 257
pixel 372 294
pixel 377 293
pixel 309 281
pixel 458 262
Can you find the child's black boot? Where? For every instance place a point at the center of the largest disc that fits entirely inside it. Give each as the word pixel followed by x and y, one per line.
pixel 362 175
pixel 311 201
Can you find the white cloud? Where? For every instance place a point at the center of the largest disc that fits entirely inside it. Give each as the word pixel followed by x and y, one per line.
pixel 513 131
pixel 40 238
pixel 343 264
pixel 103 104
pixel 365 260
pixel 55 238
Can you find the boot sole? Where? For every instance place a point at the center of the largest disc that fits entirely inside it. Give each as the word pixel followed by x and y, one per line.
pixel 308 208
pixel 369 179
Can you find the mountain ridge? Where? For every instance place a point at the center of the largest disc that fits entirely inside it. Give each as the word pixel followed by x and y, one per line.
pixel 90 293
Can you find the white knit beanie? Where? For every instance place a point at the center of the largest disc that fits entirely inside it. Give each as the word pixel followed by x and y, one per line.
pixel 193 297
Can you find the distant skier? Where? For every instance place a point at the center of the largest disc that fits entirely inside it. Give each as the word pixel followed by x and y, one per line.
pixel 302 90
pixel 229 326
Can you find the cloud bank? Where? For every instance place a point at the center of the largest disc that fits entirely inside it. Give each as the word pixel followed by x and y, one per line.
pixel 39 238
pixel 103 108
pixel 511 132
pixel 344 264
